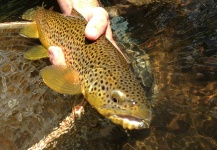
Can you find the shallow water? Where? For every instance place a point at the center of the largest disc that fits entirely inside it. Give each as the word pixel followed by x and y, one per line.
pixel 172 47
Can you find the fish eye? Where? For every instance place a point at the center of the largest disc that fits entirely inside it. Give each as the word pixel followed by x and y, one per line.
pixel 114 100
pixel 117 96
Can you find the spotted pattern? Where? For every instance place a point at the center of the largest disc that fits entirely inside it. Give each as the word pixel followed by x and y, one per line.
pixel 107 81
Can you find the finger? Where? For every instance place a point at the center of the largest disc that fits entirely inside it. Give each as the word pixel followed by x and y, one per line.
pixel 56 55
pixel 65 6
pixel 97 23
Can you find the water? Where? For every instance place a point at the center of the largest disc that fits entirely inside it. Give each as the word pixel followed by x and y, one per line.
pixel 172 47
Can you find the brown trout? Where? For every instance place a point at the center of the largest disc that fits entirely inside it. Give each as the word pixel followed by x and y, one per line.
pixel 94 68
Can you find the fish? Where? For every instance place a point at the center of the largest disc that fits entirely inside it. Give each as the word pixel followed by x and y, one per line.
pixel 95 69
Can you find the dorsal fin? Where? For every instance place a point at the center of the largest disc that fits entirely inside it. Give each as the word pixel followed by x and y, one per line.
pixel 51 8
pixel 75 13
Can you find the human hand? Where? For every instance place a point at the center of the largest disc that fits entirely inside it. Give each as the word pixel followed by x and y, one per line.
pixel 98 24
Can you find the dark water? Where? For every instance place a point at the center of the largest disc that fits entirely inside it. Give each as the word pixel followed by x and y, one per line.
pixel 173 49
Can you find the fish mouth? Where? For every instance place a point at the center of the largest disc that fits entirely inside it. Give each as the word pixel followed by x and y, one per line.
pixel 130 122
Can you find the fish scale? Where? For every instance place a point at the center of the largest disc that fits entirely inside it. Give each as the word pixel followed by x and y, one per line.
pixel 94 68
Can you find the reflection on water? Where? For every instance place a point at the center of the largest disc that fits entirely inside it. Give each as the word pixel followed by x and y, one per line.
pixel 173 45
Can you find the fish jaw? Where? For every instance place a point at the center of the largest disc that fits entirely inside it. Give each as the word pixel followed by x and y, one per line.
pixel 127 119
pixel 130 122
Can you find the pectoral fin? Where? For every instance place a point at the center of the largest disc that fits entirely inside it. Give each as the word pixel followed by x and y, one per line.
pixel 30 31
pixel 61 79
pixel 36 52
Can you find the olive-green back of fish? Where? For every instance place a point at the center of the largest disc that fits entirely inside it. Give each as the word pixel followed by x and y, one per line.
pixel 95 69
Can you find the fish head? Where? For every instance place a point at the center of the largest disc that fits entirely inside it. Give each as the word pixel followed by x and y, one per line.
pixel 120 98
